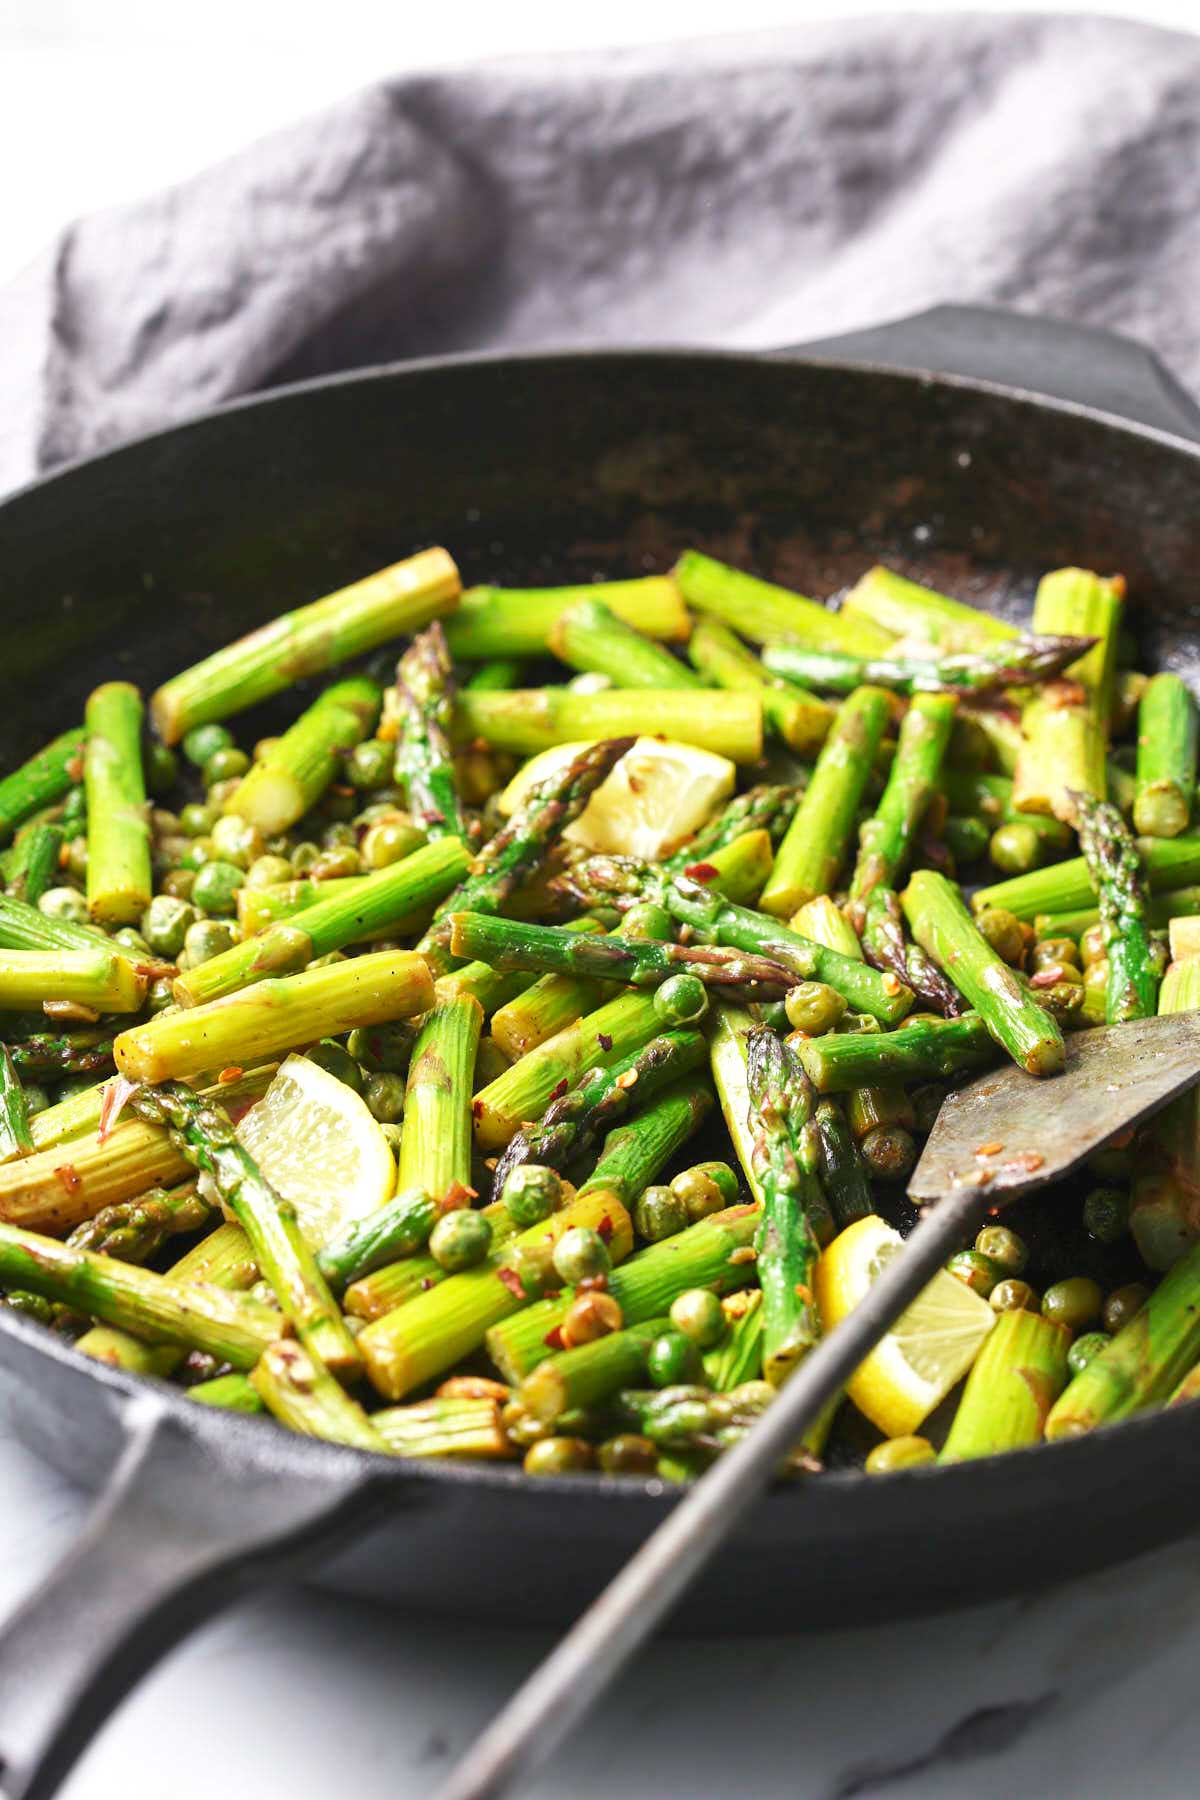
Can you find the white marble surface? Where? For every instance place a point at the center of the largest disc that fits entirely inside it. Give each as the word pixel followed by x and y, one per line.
pixel 1086 1690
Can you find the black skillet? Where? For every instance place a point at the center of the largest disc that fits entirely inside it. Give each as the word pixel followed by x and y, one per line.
pixel 803 466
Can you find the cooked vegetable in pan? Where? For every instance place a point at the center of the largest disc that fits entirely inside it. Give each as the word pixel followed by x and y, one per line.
pixel 501 1024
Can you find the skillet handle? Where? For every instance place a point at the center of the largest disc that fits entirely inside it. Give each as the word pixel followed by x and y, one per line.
pixel 166 1547
pixel 1092 368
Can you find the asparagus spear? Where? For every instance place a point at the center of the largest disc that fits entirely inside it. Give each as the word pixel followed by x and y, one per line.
pixel 760 808
pixel 716 1252
pixel 434 1330
pixel 738 1357
pixel 885 841
pixel 157 1308
pixel 811 854
pixel 276 1015
pixel 15 1136
pixel 121 1350
pixel 1013 662
pixel 888 950
pixel 1144 1362
pixel 520 846
pixel 904 609
pixel 1066 732
pixel 46 777
pixel 688 1418
pixel 204 1133
pixel 592 1373
pixel 843 1173
pixel 590 637
pixel 823 922
pixel 1164 1218
pixel 944 928
pixel 634 962
pixel 23 927
pixel 1168 863
pixel 770 614
pixel 96 978
pixel 232 1393
pixel 728 1035
pixel 381 1290
pixel 799 718
pixel 374 903
pixel 313 638
pixel 444 1427
pixel 531 719
pixel 298 1389
pixel 516 622
pixel 923 1050
pixel 135 1230
pixel 1015 1380
pixel 1162 910
pixel 119 884
pixel 424 764
pixel 33 862
pixel 989 797
pixel 282 785
pixel 435 1149
pixel 710 917
pixel 399 1228
pixel 786 1160
pixel 495 676
pixel 1166 758
pixel 1134 966
pixel 572 1124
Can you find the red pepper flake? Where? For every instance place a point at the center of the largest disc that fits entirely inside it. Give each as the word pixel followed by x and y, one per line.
pixel 1048 977
pixel 427 1283
pixel 1026 1159
pixel 561 1089
pixel 604 1041
pixel 592 1284
pixel 745 1253
pixel 702 871
pixel 512 1282
pixel 68 1178
pixel 477 1109
pixel 458 1196
pixel 1122 1140
pixel 604 1229
pixel 553 1339
pixel 891 984
pixel 989 1149
pixel 234 1072
pixel 75 766
pixel 628 1079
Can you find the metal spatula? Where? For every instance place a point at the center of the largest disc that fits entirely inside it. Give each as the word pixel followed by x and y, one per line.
pixel 1003 1135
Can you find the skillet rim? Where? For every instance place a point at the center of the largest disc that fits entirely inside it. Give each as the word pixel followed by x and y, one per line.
pixel 244 1433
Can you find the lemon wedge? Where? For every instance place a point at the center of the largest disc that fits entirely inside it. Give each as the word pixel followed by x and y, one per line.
pixel 929 1348
pixel 651 802
pixel 318 1146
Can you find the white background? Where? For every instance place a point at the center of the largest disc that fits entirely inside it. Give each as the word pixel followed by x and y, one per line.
pixel 104 100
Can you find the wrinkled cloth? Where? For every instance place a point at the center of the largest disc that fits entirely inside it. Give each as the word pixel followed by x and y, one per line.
pixel 749 192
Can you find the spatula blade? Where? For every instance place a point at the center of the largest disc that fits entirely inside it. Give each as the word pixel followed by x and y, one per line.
pixel 1010 1131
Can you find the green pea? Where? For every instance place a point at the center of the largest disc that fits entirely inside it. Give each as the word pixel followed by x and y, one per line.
pixel 460 1240
pixel 1074 1303
pixel 1062 951
pixel 889 1152
pixel 225 765
pixel 659 1214
pixel 198 852
pixel 369 764
pixel 681 1000
pixel 268 871
pixel 179 883
pixel 1003 1247
pixel 1086 1349
pixel 1004 932
pixel 203 741
pixel 647 919
pixel 133 941
pixel 813 1008
pixel 161 768
pixel 1013 1296
pixel 899 1453
pixel 339 836
pixel 304 855
pixel 338 804
pixel 197 819
pixel 672 1360
pixel 627 1454
pixel 216 887
pixel 581 1255
pixel 207 938
pixel 558 1456
pixel 165 924
pixel 531 1193
pixel 1092 947
pixel 1015 848
pixel 389 841
pixel 64 903
pixel 337 1061
pixel 976 1271
pixel 159 995
pixel 383 1046
pixel 36 1097
pixel 237 842
pixel 705 1188
pixel 384 1094
pixel 336 863
pixel 1106 1214
pixel 1124 1304
pixel 698 1314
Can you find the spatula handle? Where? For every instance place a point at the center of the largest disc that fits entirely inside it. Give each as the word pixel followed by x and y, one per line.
pixel 566 1686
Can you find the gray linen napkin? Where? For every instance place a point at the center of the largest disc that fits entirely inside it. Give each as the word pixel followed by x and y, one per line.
pixel 745 191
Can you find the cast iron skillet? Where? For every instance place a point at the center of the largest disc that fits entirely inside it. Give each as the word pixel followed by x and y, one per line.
pixel 803 466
